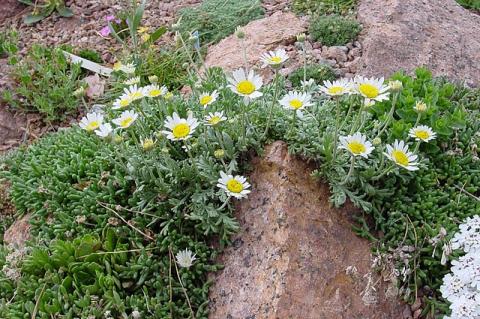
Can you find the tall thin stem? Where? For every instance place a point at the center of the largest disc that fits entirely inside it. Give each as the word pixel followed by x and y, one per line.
pixel 337 124
pixel 274 100
pixel 350 171
pixel 389 116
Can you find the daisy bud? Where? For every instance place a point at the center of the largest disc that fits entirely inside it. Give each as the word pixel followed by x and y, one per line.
pixel 395 86
pixel 153 79
pixel 79 92
pixel 301 37
pixel 219 153
pixel 176 26
pixel 239 33
pixel 136 314
pixel 148 144
pixel 420 107
pixel 117 139
pixel 377 141
pixel 165 150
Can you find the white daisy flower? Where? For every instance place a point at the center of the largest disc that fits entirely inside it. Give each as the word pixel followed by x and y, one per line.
pixel 126 119
pixel 296 100
pixel 134 92
pixel 154 90
pixel 206 98
pixel 234 186
pixel 244 84
pixel 336 88
pixel 122 102
pixel 373 89
pixel 185 258
pixel 400 155
pixel 128 68
pixel 274 58
pixel 213 119
pixel 356 144
pixel 104 130
pixel 180 129
pixel 420 106
pixel 132 81
pixel 91 121
pixel 422 133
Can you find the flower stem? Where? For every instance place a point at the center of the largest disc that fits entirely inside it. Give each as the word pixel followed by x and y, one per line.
pixel 350 171
pixel 389 116
pixel 270 111
pixel 337 124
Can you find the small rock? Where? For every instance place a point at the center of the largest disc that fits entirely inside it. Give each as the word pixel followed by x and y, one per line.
pixel 19 233
pixel 336 53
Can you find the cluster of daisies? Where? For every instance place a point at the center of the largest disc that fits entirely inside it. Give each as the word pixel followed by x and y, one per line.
pixel 462 286
pixel 375 90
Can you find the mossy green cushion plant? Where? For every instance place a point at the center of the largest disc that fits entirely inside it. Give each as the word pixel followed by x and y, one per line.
pixel 334 30
pixel 470 4
pixel 318 72
pixel 321 7
pixel 217 19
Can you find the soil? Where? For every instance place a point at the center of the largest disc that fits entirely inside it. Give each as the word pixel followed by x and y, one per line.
pixel 10 8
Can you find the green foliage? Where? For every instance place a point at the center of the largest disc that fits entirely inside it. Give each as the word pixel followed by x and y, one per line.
pixel 44 8
pixel 470 4
pixel 334 30
pixel 324 7
pixel 108 214
pixel 168 65
pixel 45 83
pixel 317 72
pixel 82 185
pixel 216 19
pixel 8 43
pixel 90 54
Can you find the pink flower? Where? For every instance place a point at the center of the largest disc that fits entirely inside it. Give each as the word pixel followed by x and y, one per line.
pixel 105 32
pixel 111 18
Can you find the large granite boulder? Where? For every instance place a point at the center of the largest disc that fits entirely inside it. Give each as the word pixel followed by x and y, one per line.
pixel 405 34
pixel 296 256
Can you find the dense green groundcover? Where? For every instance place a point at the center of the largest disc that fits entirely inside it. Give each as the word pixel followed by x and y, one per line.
pixel 217 19
pixel 108 216
pixel 470 4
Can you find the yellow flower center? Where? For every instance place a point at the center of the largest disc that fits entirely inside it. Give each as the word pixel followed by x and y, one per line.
pixel 334 90
pixel 356 148
pixel 136 95
pixel 181 130
pixel 117 66
pixel 369 90
pixel 126 122
pixel 275 60
pixel 234 186
pixel 214 120
pixel 296 104
pixel 155 92
pixel 421 134
pixel 93 125
pixel 245 87
pixel 124 102
pixel 400 157
pixel 204 100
